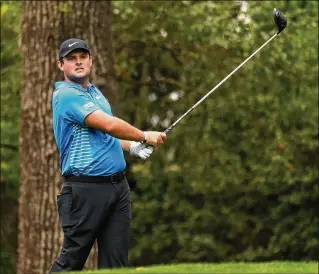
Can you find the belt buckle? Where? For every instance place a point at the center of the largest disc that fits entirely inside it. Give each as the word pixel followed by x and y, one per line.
pixel 114 178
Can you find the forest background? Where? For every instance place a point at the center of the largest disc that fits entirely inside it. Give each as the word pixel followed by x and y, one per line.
pixel 238 179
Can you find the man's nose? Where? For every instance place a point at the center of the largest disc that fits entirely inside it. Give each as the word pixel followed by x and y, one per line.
pixel 78 60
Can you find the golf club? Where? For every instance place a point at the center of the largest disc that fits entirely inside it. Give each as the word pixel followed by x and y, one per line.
pixel 281 23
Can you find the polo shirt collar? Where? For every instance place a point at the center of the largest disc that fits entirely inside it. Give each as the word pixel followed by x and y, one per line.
pixel 68 84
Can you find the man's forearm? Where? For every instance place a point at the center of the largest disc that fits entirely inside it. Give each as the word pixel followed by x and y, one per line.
pixel 113 126
pixel 123 130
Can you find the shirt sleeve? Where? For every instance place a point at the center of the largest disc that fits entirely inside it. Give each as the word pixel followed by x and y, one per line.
pixel 74 105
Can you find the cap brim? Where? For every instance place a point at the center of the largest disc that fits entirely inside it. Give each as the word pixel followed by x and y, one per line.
pixel 65 54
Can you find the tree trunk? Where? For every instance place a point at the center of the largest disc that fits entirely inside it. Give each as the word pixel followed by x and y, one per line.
pixel 45 25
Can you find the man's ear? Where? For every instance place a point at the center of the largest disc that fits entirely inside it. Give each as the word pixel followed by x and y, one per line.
pixel 60 65
pixel 91 61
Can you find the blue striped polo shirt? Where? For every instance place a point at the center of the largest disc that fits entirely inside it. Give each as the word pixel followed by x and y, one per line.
pixel 83 150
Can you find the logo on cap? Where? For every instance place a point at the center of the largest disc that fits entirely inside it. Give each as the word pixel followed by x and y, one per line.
pixel 70 45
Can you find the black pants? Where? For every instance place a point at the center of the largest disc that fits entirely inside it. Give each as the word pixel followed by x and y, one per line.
pixel 89 212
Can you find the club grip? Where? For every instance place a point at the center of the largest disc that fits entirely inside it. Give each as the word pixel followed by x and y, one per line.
pixel 166 131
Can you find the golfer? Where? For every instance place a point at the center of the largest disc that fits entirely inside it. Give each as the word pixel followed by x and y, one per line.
pixel 94 202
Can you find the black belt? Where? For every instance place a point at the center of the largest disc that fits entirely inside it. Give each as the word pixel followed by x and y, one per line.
pixel 114 178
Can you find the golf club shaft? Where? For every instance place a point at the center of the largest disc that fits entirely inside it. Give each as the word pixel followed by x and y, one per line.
pixel 220 83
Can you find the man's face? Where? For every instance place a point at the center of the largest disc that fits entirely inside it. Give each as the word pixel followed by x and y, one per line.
pixel 76 66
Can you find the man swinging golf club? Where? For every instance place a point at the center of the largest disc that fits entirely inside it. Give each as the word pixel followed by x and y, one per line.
pixel 94 202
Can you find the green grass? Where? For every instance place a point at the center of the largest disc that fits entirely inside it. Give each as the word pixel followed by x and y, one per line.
pixel 224 268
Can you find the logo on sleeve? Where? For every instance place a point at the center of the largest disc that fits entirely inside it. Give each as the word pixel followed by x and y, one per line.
pixel 88 105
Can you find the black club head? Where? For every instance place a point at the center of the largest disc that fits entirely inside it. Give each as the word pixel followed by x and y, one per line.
pixel 280 20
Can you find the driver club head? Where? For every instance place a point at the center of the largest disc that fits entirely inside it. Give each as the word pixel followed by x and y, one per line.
pixel 280 20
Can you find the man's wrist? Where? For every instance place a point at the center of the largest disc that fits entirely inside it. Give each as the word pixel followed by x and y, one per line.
pixel 126 145
pixel 145 136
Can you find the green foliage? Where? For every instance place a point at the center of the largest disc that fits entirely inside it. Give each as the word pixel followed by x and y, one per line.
pixel 10 100
pixel 7 261
pixel 237 180
pixel 10 104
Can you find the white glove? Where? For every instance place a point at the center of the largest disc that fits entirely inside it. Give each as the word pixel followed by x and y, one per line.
pixel 141 150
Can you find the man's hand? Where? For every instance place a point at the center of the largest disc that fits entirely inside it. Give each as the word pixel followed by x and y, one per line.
pixel 142 151
pixel 154 138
